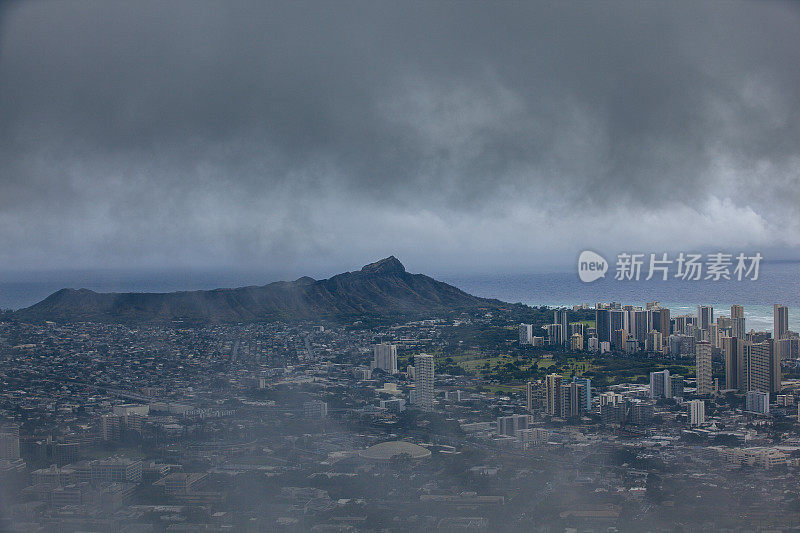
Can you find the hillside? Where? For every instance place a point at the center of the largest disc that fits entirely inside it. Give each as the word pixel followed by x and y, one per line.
pixel 383 288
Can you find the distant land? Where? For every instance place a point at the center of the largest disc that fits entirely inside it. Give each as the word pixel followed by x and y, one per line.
pixel 382 289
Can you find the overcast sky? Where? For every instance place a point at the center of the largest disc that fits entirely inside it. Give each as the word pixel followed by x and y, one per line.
pixel 323 135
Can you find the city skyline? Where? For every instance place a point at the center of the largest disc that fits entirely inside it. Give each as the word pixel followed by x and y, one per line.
pixel 366 265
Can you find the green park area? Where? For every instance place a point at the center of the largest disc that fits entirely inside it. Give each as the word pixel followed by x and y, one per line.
pixel 507 371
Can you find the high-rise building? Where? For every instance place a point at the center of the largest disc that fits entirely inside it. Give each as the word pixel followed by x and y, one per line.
pixel 553 334
pixel 423 381
pixel 573 399
pixel 705 317
pixel 560 316
pixel 602 323
pixel 553 396
pixel 631 346
pixel 738 327
pixel 526 333
pixel 697 412
pixel 705 381
pixel 655 318
pixel 683 345
pixel 610 398
pixel 578 327
pixel 614 412
pixel 385 357
pixel 660 384
pixel 576 342
pixel 788 347
pixel 616 321
pixel 586 398
pixel 592 345
pixel 757 402
pixel 628 318
pixel 737 311
pixel 640 413
pixel 758 336
pixel 682 323
pixel 676 386
pixel 780 318
pixel 654 342
pixel 763 367
pixel 509 425
pixel 618 339
pixel 529 395
pixel 535 395
pixel 733 358
pixel 110 427
pixel 643 322
pixel 663 323
pixel 714 336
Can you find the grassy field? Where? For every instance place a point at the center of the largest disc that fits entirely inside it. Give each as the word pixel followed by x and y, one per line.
pixel 476 363
pixel 507 369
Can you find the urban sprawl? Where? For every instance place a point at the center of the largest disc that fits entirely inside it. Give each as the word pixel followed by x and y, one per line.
pixel 609 418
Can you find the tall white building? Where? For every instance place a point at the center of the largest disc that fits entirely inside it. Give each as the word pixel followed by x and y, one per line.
pixel 654 342
pixel 697 412
pixel 560 318
pixel 733 357
pixel 423 381
pixel 526 333
pixel 553 399
pixel 660 384
pixel 757 402
pixel 738 322
pixel 385 357
pixel 705 381
pixel 705 317
pixel 592 344
pixel 763 368
pixel 530 393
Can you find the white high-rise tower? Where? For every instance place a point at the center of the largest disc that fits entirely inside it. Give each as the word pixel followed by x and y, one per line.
pixel 385 357
pixel 423 380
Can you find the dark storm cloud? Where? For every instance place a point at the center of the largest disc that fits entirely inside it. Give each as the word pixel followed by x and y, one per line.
pixel 169 133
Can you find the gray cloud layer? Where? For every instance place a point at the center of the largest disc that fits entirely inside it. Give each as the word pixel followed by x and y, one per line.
pixel 277 134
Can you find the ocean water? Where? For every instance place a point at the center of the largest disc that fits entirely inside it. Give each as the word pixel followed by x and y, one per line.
pixel 779 282
pixel 19 290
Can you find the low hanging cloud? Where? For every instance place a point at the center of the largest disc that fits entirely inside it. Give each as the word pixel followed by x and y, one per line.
pixel 288 135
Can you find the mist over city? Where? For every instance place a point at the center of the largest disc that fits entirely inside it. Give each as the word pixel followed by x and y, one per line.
pixel 378 266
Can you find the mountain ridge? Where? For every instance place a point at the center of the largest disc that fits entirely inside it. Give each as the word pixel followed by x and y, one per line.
pixel 383 288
